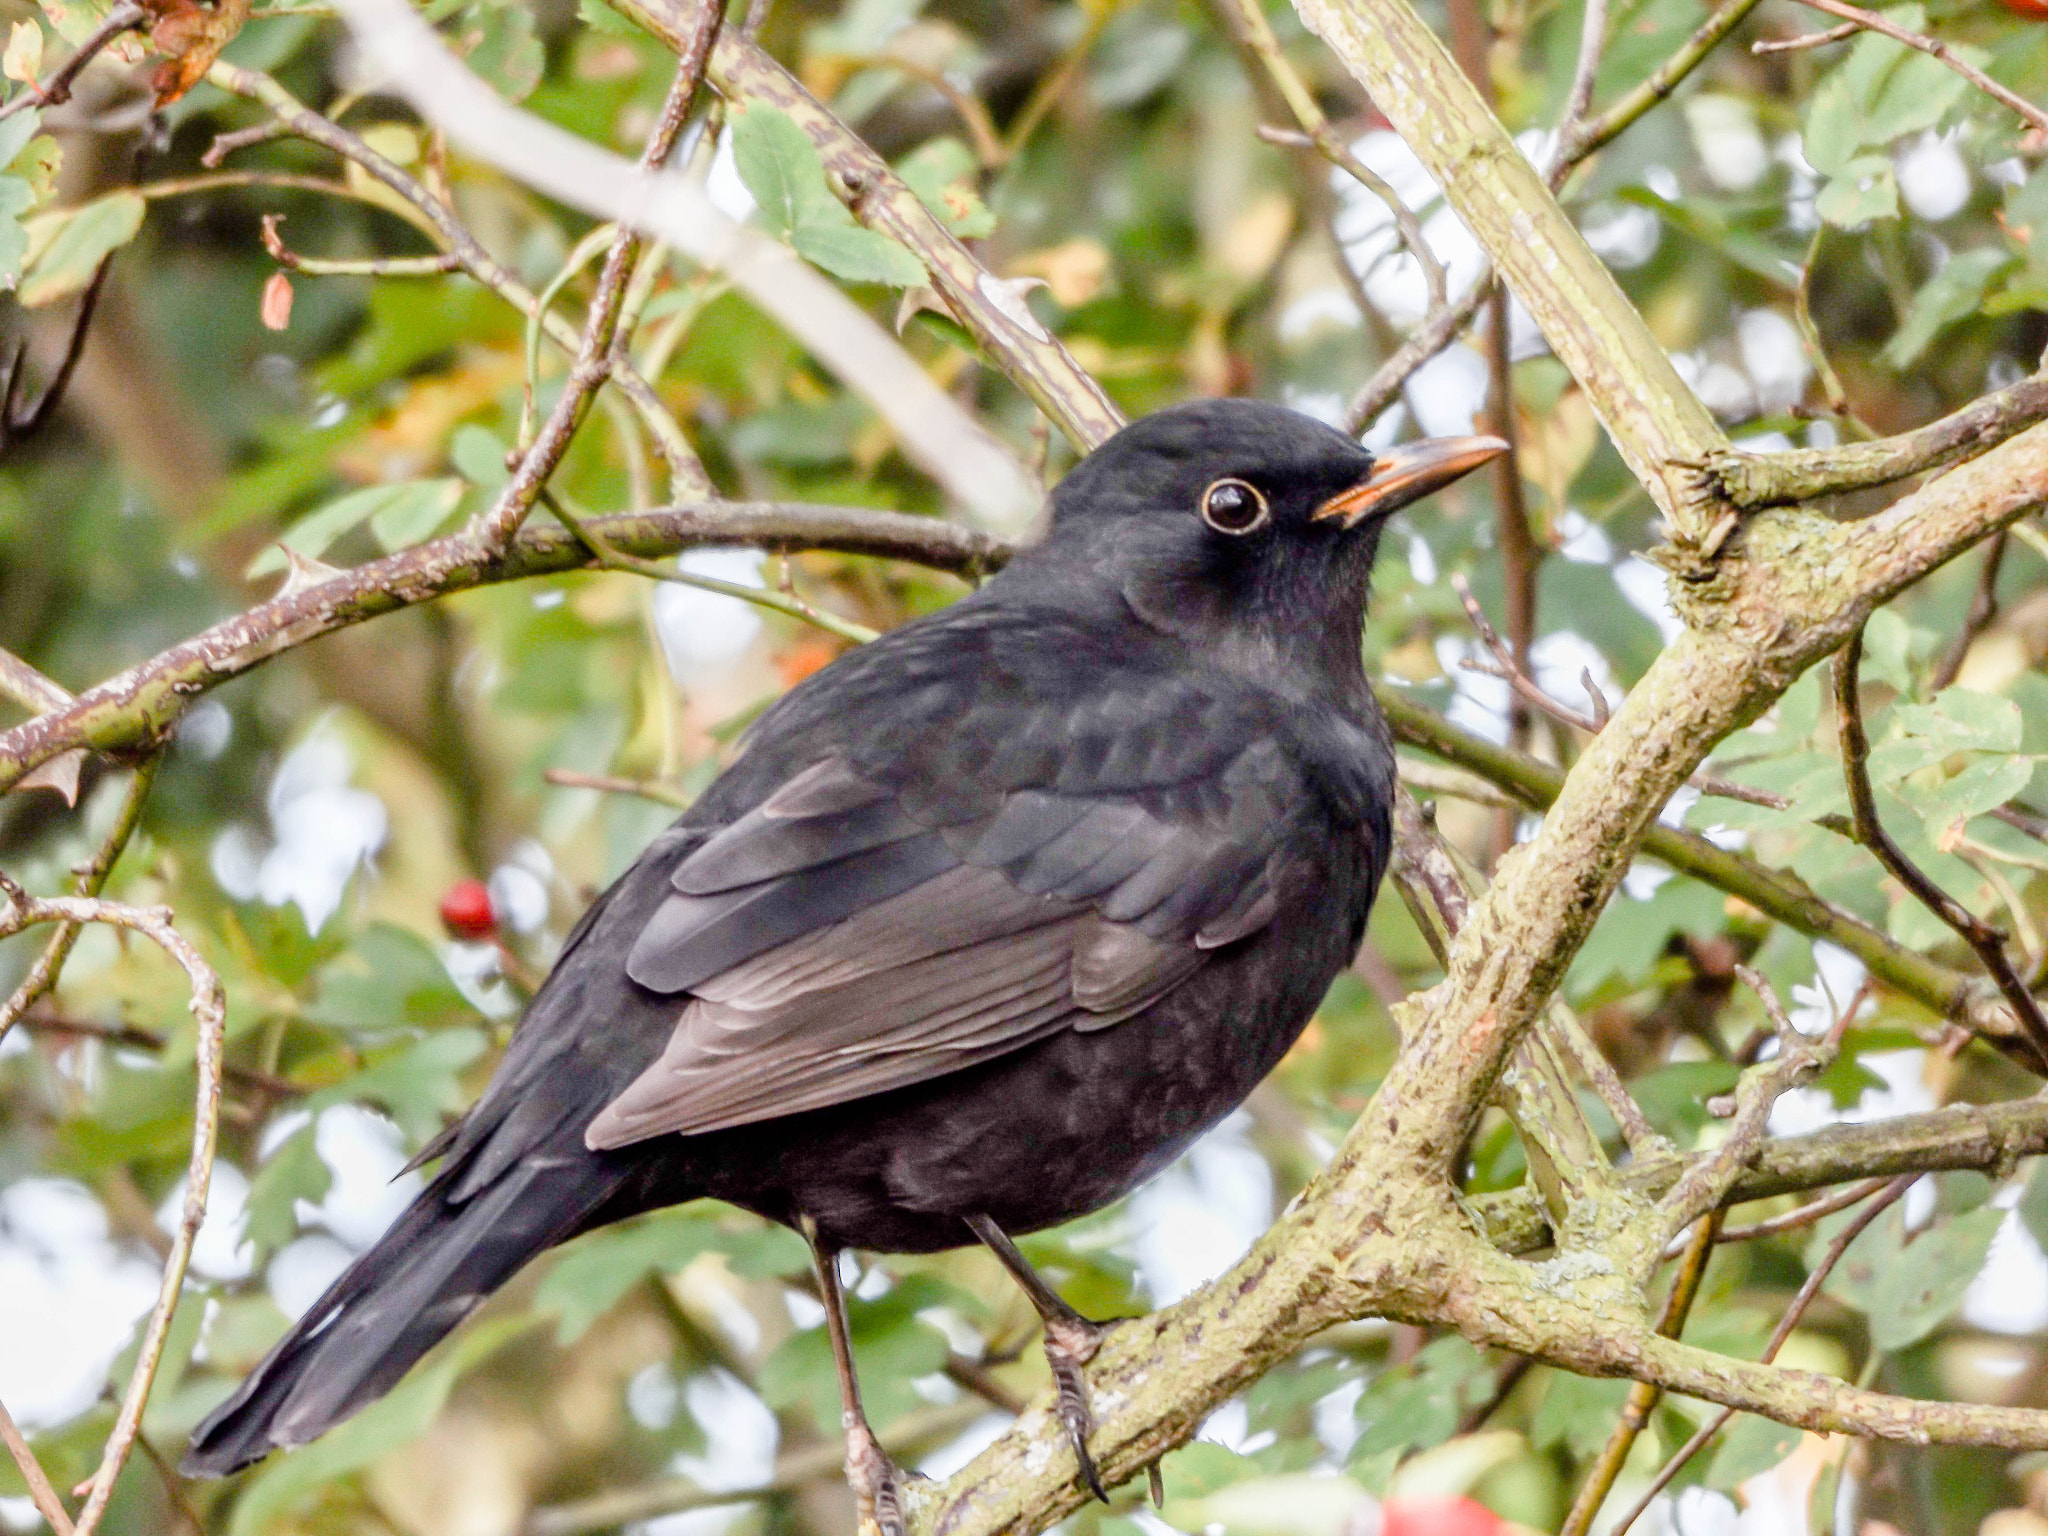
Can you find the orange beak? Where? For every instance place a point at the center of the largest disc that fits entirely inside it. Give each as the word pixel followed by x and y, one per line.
pixel 1409 473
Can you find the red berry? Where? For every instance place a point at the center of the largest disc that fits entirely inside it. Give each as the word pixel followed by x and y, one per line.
pixel 1437 1517
pixel 466 910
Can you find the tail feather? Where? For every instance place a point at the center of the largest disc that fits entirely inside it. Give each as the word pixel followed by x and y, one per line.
pixel 440 1259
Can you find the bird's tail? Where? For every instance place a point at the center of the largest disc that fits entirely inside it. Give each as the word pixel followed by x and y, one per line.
pixel 436 1264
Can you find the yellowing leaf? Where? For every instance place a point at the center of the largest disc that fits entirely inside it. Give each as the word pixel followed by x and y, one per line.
pixel 23 59
pixel 65 247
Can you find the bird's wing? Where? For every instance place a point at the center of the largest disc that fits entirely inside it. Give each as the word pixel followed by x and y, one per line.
pixel 847 936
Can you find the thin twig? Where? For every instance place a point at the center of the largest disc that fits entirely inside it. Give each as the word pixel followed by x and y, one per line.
pixel 1436 332
pixel 935 431
pixel 646 789
pixel 28 687
pixel 1934 48
pixel 360 266
pixel 1318 134
pixel 209 1010
pixel 19 421
pixel 1986 940
pixel 1811 1288
pixel 55 88
pixel 1982 614
pixel 45 1498
pixel 439 218
pixel 1706 1183
pixel 42 976
pixel 1578 100
pixel 1791 1221
pixel 1836 34
pixel 762 597
pixel 597 357
pixel 793 1469
pixel 1643 1396
pixel 138 1038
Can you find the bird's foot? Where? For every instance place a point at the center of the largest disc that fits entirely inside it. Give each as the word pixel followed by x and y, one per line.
pixel 1070 1343
pixel 877 1481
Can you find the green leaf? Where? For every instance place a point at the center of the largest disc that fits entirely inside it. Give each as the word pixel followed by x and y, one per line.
pixel 421 507
pixel 388 978
pixel 478 455
pixel 416 1085
pixel 595 1271
pixel 385 1425
pixel 1954 293
pixel 16 198
pixel 1866 189
pixel 1749 1446
pixel 1960 720
pixel 1916 94
pixel 498 42
pixel 1419 1404
pixel 1833 131
pixel 294 1172
pixel 1912 1296
pixel 1631 935
pixel 1577 1412
pixel 1705 223
pixel 942 174
pixel 857 255
pixel 15 132
pixel 782 169
pixel 396 508
pixel 1987 783
pixel 65 247
pixel 894 1348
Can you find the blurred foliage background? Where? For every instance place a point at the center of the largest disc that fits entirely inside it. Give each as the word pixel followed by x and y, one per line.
pixel 1834 241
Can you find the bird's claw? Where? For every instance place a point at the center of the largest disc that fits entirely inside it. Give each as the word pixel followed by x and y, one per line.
pixel 877 1481
pixel 1070 1343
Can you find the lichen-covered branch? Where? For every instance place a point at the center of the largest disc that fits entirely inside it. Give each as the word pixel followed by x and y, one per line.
pixel 1803 474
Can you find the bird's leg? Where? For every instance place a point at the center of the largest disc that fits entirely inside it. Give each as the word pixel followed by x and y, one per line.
pixel 877 1481
pixel 1071 1341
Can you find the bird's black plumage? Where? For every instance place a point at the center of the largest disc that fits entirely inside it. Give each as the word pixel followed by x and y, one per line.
pixel 988 921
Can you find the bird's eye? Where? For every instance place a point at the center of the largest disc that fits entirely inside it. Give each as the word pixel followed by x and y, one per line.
pixel 1233 506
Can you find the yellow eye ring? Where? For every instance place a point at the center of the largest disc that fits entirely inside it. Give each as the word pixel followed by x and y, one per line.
pixel 1234 506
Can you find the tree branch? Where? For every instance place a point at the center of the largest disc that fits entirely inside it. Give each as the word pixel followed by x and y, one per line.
pixel 1803 474
pixel 139 706
pixel 1655 420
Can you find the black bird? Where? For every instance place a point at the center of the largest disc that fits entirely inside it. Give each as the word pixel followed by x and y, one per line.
pixel 988 921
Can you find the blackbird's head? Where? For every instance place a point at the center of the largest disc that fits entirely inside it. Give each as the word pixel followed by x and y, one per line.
pixel 1247 526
